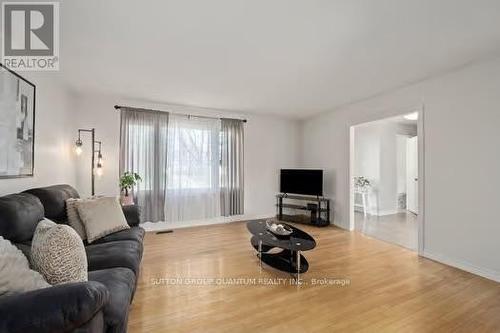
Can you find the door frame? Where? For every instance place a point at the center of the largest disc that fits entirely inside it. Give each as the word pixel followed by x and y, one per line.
pixel 421 172
pixel 409 203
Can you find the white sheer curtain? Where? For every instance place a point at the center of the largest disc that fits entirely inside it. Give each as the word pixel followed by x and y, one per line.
pixel 193 162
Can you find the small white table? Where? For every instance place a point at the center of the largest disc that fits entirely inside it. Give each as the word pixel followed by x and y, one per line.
pixel 364 199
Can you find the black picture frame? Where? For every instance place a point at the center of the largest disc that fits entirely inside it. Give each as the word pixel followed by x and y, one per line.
pixel 24 106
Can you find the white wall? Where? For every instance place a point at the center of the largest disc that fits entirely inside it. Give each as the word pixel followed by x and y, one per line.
pixel 388 186
pixel 53 162
pixel 271 143
pixel 367 152
pixel 462 117
pixel 367 162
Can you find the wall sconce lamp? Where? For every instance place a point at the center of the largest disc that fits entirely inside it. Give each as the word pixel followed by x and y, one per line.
pixel 96 168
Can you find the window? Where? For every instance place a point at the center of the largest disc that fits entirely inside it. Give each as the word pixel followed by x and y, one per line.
pixel 192 167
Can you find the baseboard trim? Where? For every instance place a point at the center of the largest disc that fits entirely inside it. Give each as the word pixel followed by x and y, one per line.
pixel 387 212
pixel 465 266
pixel 373 212
pixel 160 226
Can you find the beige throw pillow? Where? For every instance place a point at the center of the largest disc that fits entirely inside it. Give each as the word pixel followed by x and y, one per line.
pixel 74 219
pixel 15 273
pixel 57 252
pixel 101 217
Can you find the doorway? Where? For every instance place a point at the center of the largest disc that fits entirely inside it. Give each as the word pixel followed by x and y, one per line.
pixel 386 157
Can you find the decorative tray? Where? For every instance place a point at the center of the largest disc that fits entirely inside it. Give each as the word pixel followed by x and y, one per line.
pixel 277 229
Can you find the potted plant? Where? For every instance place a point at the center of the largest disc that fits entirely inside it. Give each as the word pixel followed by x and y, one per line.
pixel 362 184
pixel 127 182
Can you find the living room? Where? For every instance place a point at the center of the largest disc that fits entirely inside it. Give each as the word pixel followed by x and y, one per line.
pixel 208 148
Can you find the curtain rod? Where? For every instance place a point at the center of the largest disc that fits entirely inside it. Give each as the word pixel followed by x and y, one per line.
pixel 118 107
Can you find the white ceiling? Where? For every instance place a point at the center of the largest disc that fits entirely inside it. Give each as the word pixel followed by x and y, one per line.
pixel 294 58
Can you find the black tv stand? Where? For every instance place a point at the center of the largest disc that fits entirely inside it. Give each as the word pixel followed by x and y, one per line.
pixel 318 207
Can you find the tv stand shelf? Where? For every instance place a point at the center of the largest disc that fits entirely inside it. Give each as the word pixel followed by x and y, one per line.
pixel 300 207
pixel 318 206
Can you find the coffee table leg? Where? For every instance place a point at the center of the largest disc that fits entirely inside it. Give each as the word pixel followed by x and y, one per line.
pixel 260 252
pixel 298 267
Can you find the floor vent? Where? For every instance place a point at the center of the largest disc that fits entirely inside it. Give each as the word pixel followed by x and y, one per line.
pixel 164 232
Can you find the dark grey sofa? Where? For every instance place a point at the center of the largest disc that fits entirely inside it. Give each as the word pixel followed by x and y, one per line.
pixel 99 305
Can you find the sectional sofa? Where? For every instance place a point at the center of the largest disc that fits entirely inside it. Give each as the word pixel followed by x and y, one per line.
pixel 99 305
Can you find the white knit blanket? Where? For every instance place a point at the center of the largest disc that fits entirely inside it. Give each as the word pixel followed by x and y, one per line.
pixel 15 273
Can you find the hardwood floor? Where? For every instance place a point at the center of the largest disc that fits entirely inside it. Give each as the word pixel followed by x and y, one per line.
pixel 400 228
pixel 391 289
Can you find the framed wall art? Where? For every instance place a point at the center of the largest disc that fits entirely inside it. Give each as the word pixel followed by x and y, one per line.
pixel 17 125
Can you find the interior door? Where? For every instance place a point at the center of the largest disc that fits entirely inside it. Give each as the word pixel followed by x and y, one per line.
pixel 412 174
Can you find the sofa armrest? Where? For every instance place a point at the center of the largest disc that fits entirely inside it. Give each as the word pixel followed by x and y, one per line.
pixel 132 214
pixel 60 308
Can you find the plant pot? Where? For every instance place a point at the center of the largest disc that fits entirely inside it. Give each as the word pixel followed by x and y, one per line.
pixel 127 200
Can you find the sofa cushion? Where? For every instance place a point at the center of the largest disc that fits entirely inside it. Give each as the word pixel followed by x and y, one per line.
pixel 74 220
pixel 19 216
pixel 54 199
pixel 126 253
pixel 120 283
pixel 57 252
pixel 134 233
pixel 61 308
pixel 101 217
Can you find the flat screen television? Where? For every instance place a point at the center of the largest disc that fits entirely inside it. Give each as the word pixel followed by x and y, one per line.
pixel 301 181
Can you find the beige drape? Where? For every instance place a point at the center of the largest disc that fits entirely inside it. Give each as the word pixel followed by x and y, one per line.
pixel 232 176
pixel 143 149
